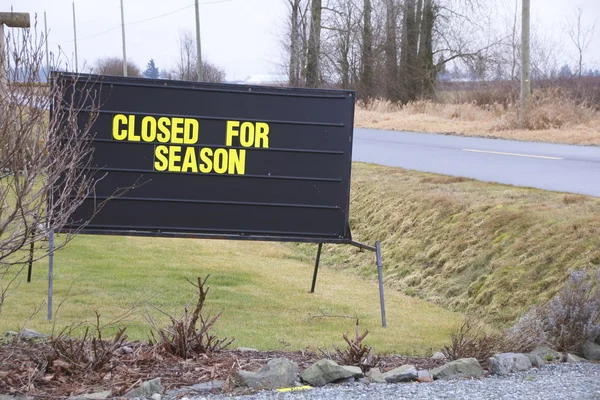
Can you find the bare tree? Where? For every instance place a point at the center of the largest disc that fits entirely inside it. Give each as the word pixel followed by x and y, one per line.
pixel 391 51
pixel 114 66
pixel 185 68
pixel 37 152
pixel 367 63
pixel 314 45
pixel 581 36
pixel 294 43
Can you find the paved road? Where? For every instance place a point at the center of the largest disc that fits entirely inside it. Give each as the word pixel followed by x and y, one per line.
pixel 563 168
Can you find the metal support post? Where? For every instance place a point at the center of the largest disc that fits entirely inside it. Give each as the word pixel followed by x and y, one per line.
pixel 314 281
pixel 50 271
pixel 380 275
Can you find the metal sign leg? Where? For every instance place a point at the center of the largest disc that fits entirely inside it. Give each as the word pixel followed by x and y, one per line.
pixel 50 271
pixel 314 281
pixel 380 275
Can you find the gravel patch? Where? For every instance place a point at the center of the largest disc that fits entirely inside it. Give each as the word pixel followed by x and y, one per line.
pixel 559 381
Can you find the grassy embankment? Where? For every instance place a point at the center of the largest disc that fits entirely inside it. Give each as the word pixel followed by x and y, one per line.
pixel 261 288
pixel 482 248
pixel 553 117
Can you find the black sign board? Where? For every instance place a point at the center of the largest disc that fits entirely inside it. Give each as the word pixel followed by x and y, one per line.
pixel 218 160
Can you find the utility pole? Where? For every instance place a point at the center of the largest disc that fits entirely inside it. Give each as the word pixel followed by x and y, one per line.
pixel 525 73
pixel 75 39
pixel 198 44
pixel 123 35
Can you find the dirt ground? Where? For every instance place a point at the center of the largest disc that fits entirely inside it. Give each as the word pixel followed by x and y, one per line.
pixel 25 370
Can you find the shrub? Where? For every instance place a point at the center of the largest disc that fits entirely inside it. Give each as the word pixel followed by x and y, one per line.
pixel 569 319
pixel 471 340
pixel 357 353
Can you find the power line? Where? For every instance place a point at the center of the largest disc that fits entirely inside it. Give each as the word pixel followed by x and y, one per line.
pixel 143 20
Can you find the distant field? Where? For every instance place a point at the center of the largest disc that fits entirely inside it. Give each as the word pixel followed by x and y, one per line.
pixel 481 248
pixel 261 288
pixel 552 120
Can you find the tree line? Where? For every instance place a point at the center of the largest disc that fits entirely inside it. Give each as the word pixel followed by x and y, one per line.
pixel 398 49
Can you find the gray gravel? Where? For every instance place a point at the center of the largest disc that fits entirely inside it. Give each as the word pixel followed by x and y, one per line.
pixel 560 381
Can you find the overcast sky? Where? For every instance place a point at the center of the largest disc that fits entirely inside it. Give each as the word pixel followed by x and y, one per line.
pixel 240 36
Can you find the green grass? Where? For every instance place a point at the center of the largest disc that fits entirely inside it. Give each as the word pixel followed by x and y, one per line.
pixel 261 288
pixel 470 246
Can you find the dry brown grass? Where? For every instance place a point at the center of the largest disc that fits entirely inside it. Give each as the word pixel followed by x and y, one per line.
pixel 553 117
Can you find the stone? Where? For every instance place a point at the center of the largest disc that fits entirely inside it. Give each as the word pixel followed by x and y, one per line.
pixel 374 375
pixel 31 334
pixel 125 350
pixel 438 356
pixel 211 387
pixel 507 363
pixel 461 368
pixel 547 354
pixel 572 358
pixel 91 396
pixel 424 376
pixel 277 373
pixel 146 389
pixel 156 396
pixel 246 349
pixel 404 373
pixel 326 371
pixel 536 361
pixel 591 351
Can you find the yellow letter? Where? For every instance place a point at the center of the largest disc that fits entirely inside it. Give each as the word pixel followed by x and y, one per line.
pixel 163 126
pixel 220 161
pixel 174 157
pixel 117 121
pixel 262 130
pixel 177 128
pixel 131 135
pixel 205 155
pixel 160 156
pixel 237 161
pixel 148 129
pixel 190 131
pixel 247 134
pixel 231 132
pixel 189 160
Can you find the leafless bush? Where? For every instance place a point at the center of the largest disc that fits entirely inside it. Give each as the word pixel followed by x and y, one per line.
pixel 357 353
pixel 569 319
pixel 68 355
pixel 470 340
pixel 38 150
pixel 183 337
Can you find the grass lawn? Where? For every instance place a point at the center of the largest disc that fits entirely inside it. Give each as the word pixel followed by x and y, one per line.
pixel 261 288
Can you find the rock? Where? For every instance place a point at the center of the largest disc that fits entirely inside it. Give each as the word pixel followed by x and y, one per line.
pixel 125 350
pixel 30 334
pixel 507 363
pixel 326 371
pixel 211 387
pixel 591 351
pixel 147 389
pixel 404 373
pixel 277 373
pixel 572 358
pixel 536 361
pixel 424 376
pixel 461 368
pixel 374 375
pixel 438 356
pixel 547 354
pixel 91 396
pixel 246 349
pixel 156 396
